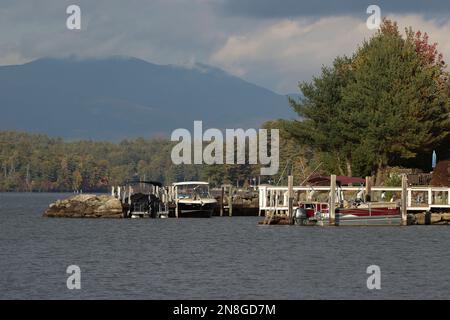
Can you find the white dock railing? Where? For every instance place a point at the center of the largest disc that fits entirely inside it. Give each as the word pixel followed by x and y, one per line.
pixel 418 199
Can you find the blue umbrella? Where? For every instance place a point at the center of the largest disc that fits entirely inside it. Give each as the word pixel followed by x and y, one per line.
pixel 433 160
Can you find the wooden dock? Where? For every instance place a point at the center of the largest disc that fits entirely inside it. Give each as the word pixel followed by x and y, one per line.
pixel 418 199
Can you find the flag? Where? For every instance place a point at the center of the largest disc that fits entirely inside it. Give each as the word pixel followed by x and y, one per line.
pixel 433 160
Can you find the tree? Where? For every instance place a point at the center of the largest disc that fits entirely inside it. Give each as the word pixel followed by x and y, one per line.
pixel 77 179
pixel 388 102
pixel 396 99
pixel 320 111
pixel 294 157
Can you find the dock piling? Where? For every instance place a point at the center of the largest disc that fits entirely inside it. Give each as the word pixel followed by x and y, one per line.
pixel 332 205
pixel 222 193
pixel 404 201
pixel 368 190
pixel 230 201
pixel 291 198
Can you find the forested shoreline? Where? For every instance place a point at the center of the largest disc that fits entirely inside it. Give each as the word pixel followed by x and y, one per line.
pixel 38 163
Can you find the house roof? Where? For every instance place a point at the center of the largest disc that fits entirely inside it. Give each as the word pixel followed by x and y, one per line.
pixel 441 174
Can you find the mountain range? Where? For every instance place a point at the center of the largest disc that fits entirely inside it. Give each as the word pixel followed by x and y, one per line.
pixel 122 97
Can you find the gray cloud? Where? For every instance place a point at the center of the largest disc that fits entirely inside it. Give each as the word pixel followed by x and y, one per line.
pixel 271 43
pixel 298 8
pixel 157 30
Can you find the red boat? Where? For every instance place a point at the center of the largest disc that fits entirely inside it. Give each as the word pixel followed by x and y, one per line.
pixel 317 213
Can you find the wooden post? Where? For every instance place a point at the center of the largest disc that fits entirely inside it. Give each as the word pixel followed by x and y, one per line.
pixel 271 203
pixel 404 202
pixel 277 200
pixel 176 202
pixel 332 206
pixel 368 196
pixel 230 201
pixel 409 198
pixel 261 196
pixel 129 200
pixel 221 201
pixel 290 198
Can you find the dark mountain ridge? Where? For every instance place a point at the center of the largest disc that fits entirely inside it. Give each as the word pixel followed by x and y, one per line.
pixel 121 97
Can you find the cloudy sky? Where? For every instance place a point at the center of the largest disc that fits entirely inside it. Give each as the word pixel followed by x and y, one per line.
pixel 272 43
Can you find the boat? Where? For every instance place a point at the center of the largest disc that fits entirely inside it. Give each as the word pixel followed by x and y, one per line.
pixel 144 199
pixel 358 211
pixel 192 199
pixel 317 213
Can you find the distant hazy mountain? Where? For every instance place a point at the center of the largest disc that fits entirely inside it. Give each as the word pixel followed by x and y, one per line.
pixel 119 98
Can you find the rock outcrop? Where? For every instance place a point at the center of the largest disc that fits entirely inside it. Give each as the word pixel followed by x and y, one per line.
pixel 276 219
pixel 85 206
pixel 431 218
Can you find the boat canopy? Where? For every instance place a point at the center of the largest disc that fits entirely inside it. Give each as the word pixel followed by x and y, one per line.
pixel 154 183
pixel 186 183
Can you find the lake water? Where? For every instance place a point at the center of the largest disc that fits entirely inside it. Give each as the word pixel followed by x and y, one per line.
pixel 218 258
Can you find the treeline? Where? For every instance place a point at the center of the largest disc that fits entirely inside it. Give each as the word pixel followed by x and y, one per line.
pixel 36 162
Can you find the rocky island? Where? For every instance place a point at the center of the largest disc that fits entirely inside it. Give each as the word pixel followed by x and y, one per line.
pixel 86 206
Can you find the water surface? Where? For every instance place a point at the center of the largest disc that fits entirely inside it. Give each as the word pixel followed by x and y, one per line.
pixel 218 258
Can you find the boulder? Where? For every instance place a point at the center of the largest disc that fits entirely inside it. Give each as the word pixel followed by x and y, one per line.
pixel 442 222
pixel 419 218
pixel 279 220
pixel 446 216
pixel 435 217
pixel 428 218
pixel 85 206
